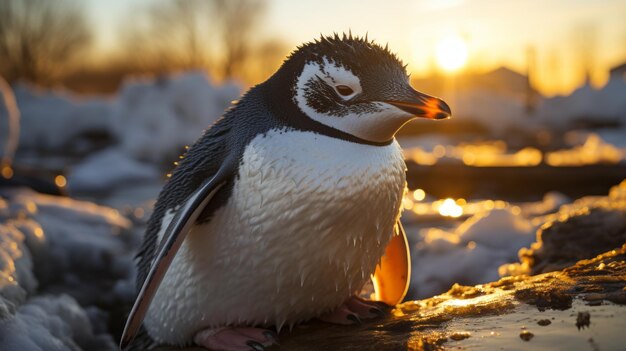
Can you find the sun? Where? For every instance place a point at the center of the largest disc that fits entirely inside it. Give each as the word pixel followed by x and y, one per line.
pixel 451 53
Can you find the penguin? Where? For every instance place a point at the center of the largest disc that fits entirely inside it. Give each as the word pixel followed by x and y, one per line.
pixel 286 206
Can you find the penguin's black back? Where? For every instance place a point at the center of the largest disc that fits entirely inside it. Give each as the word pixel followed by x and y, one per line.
pixel 227 136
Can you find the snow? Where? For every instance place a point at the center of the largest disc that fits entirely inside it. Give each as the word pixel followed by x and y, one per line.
pixel 498 229
pixel 608 103
pixel 117 149
pixel 155 119
pixel 149 121
pixel 470 254
pixel 62 263
pixel 59 122
pixel 109 169
pixel 50 323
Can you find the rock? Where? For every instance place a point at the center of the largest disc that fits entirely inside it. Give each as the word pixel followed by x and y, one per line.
pixel 583 320
pixel 526 335
pixel 544 322
pixel 583 229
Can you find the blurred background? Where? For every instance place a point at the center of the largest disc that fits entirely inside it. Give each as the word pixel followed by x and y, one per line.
pixel 101 97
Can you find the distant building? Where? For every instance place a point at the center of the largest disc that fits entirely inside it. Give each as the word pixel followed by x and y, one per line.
pixel 502 81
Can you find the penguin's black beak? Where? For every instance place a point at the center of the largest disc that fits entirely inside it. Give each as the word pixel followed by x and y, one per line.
pixel 422 105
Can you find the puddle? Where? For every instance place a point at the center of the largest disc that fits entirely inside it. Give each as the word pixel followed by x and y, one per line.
pixel 527 329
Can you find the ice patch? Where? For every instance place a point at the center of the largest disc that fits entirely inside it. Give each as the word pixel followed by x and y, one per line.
pixel 471 254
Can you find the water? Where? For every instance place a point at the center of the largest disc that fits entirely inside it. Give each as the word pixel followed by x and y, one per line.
pixel 605 331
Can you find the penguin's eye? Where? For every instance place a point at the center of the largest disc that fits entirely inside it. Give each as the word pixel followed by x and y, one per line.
pixel 344 90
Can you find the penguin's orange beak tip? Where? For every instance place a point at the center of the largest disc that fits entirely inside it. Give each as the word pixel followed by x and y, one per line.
pixel 424 106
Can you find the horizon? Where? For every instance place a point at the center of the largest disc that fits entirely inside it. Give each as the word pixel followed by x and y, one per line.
pixel 559 38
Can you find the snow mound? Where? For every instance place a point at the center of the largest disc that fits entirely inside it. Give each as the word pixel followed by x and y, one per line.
pixel 607 103
pixel 497 229
pixel 469 255
pixel 154 119
pixel 59 122
pixel 109 169
pixel 50 323
pixel 64 267
pixel 151 119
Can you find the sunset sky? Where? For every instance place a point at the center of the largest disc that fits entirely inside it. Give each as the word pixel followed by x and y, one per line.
pixel 563 34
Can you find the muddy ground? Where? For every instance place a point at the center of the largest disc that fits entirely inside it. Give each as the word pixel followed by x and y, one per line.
pixel 582 307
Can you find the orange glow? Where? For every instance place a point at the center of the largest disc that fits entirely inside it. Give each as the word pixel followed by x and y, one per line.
pixel 593 151
pixel 7 172
pixel 419 195
pixel 526 157
pixel 139 212
pixel 456 208
pixel 31 207
pixel 439 151
pixel 484 154
pixel 420 156
pixel 38 233
pixel 449 208
pixel 60 181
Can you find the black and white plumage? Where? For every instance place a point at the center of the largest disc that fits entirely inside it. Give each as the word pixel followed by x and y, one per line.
pixel 284 207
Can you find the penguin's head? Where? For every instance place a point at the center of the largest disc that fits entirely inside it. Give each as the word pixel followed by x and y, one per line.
pixel 358 87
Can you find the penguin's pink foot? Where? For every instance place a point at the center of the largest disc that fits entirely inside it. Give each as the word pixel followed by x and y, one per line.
pixel 235 339
pixel 353 310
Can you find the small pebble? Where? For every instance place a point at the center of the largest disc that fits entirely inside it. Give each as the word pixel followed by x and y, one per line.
pixel 583 320
pixel 544 322
pixel 526 335
pixel 456 336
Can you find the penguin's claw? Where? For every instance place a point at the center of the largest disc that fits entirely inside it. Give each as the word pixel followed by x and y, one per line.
pixel 256 346
pixel 353 311
pixel 354 319
pixel 271 336
pixel 236 339
pixel 365 309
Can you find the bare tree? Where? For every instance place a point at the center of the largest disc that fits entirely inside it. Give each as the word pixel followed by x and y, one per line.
pixel 182 34
pixel 39 39
pixel 585 40
pixel 169 36
pixel 237 20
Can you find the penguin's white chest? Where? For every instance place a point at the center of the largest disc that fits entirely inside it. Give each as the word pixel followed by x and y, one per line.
pixel 307 221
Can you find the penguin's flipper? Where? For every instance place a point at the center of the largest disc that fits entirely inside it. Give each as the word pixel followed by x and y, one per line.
pixel 393 274
pixel 173 238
